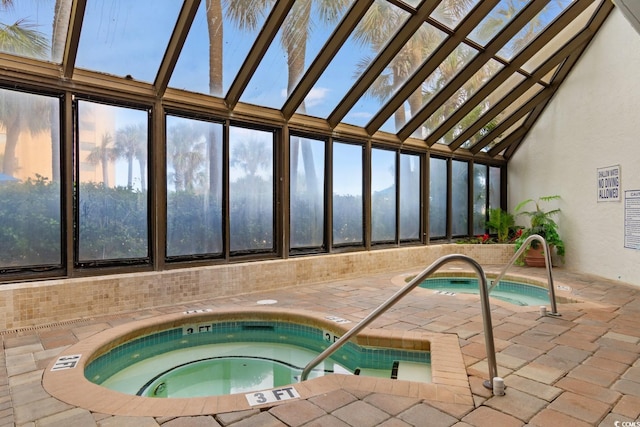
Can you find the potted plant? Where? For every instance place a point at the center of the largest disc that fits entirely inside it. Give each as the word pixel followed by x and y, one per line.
pixel 541 223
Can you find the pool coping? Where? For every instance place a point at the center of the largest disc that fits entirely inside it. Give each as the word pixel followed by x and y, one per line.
pixel 450 384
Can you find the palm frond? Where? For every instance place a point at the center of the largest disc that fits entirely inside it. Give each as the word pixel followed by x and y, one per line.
pixel 21 38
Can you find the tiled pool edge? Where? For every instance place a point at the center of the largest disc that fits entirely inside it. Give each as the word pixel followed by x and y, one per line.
pixel 450 383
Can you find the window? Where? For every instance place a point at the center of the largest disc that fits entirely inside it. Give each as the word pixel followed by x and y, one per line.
pixel 479 198
pixel 347 194
pixel 459 198
pixel 251 190
pixel 410 197
pixel 494 187
pixel 30 211
pixel 437 198
pixel 307 192
pixel 194 187
pixel 112 202
pixel 383 195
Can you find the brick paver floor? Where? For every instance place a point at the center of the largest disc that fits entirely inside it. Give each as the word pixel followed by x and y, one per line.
pixel 578 369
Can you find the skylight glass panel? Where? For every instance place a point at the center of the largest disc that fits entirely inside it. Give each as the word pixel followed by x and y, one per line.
pixel 126 38
pixel 522 99
pixel 505 134
pixel 504 114
pixel 372 34
pixel 461 96
pixel 302 35
pixel 496 20
pixel 451 13
pixel 558 41
pixel 27 29
pixel 479 110
pixel 406 62
pixel 447 70
pixel 213 54
pixel 502 90
pixel 534 27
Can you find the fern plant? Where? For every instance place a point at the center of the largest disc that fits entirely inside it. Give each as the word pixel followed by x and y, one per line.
pixel 541 223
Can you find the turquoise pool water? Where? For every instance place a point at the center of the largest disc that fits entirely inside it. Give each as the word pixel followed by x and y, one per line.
pixel 512 292
pixel 235 357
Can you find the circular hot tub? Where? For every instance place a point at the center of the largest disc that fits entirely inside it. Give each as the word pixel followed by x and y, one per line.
pixel 80 376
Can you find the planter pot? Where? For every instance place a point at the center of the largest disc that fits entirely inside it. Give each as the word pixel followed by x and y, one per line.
pixel 534 257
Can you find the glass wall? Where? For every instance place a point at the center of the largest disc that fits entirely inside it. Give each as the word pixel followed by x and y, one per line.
pixel 194 187
pixel 251 190
pixel 383 195
pixel 112 198
pixel 347 193
pixel 219 183
pixel 30 186
pixel 307 192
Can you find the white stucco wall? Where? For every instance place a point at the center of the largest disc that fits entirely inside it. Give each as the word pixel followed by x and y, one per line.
pixel 592 122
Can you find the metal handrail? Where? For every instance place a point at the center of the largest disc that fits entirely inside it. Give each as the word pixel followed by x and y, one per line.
pixel 547 262
pixel 484 301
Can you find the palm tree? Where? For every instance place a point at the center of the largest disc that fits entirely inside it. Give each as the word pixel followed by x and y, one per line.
pixel 17 110
pixel 17 113
pixel 494 22
pixel 378 25
pixel 186 151
pixel 103 154
pixel 251 156
pixel 131 144
pixel 215 28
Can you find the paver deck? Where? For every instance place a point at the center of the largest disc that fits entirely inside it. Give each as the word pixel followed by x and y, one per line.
pixel 580 369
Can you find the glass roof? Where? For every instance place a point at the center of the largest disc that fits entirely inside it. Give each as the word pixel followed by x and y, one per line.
pixel 467 75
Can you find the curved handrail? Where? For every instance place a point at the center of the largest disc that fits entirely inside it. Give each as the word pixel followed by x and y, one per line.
pixel 547 262
pixel 484 301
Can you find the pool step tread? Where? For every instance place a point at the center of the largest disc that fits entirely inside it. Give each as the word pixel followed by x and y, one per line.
pixel 413 371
